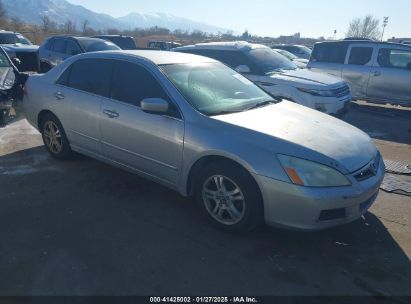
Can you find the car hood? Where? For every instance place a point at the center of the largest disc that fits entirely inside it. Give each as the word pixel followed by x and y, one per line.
pixel 20 47
pixel 306 77
pixel 308 129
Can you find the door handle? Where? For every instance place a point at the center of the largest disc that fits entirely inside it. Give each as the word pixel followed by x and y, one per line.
pixel 59 95
pixel 111 114
pixel 377 73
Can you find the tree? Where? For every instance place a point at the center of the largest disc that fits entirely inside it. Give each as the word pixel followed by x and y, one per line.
pixel 69 27
pixel 366 27
pixel 85 27
pixel 47 25
pixel 16 24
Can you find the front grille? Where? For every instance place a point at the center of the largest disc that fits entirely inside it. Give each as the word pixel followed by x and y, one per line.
pixel 341 91
pixel 28 61
pixel 370 170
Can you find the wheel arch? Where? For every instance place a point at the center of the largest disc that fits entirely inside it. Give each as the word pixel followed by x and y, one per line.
pixel 205 160
pixel 41 115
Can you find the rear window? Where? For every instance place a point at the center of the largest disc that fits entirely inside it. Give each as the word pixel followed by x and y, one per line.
pixel 329 52
pixel 89 75
pixel 96 45
pixel 125 43
pixel 360 55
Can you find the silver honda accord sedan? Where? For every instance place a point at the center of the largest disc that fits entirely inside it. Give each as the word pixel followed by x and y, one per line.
pixel 194 125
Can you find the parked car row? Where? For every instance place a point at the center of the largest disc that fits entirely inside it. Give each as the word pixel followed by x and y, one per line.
pixel 277 75
pixel 375 71
pixel 11 81
pixel 200 128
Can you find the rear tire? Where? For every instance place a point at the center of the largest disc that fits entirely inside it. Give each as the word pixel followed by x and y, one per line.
pixel 55 138
pixel 229 197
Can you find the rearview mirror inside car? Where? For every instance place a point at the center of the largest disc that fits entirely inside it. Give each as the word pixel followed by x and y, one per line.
pixel 243 69
pixel 154 105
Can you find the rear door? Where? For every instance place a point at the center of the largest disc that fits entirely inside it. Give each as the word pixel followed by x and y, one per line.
pixel 81 89
pixel 149 143
pixel 328 58
pixel 390 79
pixel 357 67
pixel 58 53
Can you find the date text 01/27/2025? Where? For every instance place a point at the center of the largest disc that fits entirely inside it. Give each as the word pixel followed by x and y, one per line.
pixel 203 300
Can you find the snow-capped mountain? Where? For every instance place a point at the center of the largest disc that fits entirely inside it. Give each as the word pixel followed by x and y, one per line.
pixel 59 11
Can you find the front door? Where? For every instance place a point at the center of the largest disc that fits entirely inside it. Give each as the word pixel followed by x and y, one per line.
pixel 391 76
pixel 149 143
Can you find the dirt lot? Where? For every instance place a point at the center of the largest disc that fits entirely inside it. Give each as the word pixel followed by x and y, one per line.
pixel 84 228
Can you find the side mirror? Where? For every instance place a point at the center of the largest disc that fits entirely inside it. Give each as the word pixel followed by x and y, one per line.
pixel 243 69
pixel 154 105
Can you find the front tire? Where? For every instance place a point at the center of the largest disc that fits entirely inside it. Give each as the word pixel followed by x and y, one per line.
pixel 229 197
pixel 55 138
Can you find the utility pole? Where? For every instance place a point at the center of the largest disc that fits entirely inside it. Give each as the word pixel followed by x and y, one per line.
pixel 335 34
pixel 384 25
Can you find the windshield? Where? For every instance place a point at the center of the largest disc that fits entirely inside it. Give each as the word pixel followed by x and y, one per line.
pixel 305 49
pixel 270 61
pixel 125 43
pixel 94 45
pixel 287 54
pixel 213 88
pixel 4 61
pixel 10 38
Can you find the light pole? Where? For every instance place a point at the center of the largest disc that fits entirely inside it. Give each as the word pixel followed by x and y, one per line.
pixel 384 25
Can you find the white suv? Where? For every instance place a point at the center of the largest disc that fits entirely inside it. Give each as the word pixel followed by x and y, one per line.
pixel 278 76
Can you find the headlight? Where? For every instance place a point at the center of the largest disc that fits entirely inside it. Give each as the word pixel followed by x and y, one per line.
pixel 323 93
pixel 310 174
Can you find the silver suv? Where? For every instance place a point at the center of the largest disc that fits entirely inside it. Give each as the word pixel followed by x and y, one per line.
pixel 375 71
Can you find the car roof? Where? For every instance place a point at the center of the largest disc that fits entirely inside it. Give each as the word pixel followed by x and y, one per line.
pixel 347 41
pixel 9 32
pixel 232 45
pixel 156 57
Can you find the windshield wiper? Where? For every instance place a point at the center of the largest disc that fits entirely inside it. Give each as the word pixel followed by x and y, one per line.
pixel 224 112
pixel 262 104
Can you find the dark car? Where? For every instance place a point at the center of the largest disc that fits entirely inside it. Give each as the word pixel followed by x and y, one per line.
pixel 11 82
pixel 56 49
pixel 123 42
pixel 298 50
pixel 19 47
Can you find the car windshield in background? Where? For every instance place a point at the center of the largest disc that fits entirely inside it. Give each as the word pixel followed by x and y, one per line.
pixel 124 43
pixel 287 54
pixel 270 61
pixel 7 38
pixel 306 50
pixel 4 62
pixel 94 45
pixel 214 89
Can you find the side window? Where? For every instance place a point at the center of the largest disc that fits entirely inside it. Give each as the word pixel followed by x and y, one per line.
pixel 65 77
pixel 360 55
pixel 132 83
pixel 49 44
pixel 59 46
pixel 329 52
pixel 394 58
pixel 72 48
pixel 90 75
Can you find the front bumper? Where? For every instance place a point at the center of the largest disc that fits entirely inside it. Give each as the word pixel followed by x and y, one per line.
pixel 306 208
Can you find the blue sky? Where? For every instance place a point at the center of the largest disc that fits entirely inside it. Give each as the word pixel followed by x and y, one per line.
pixel 313 18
